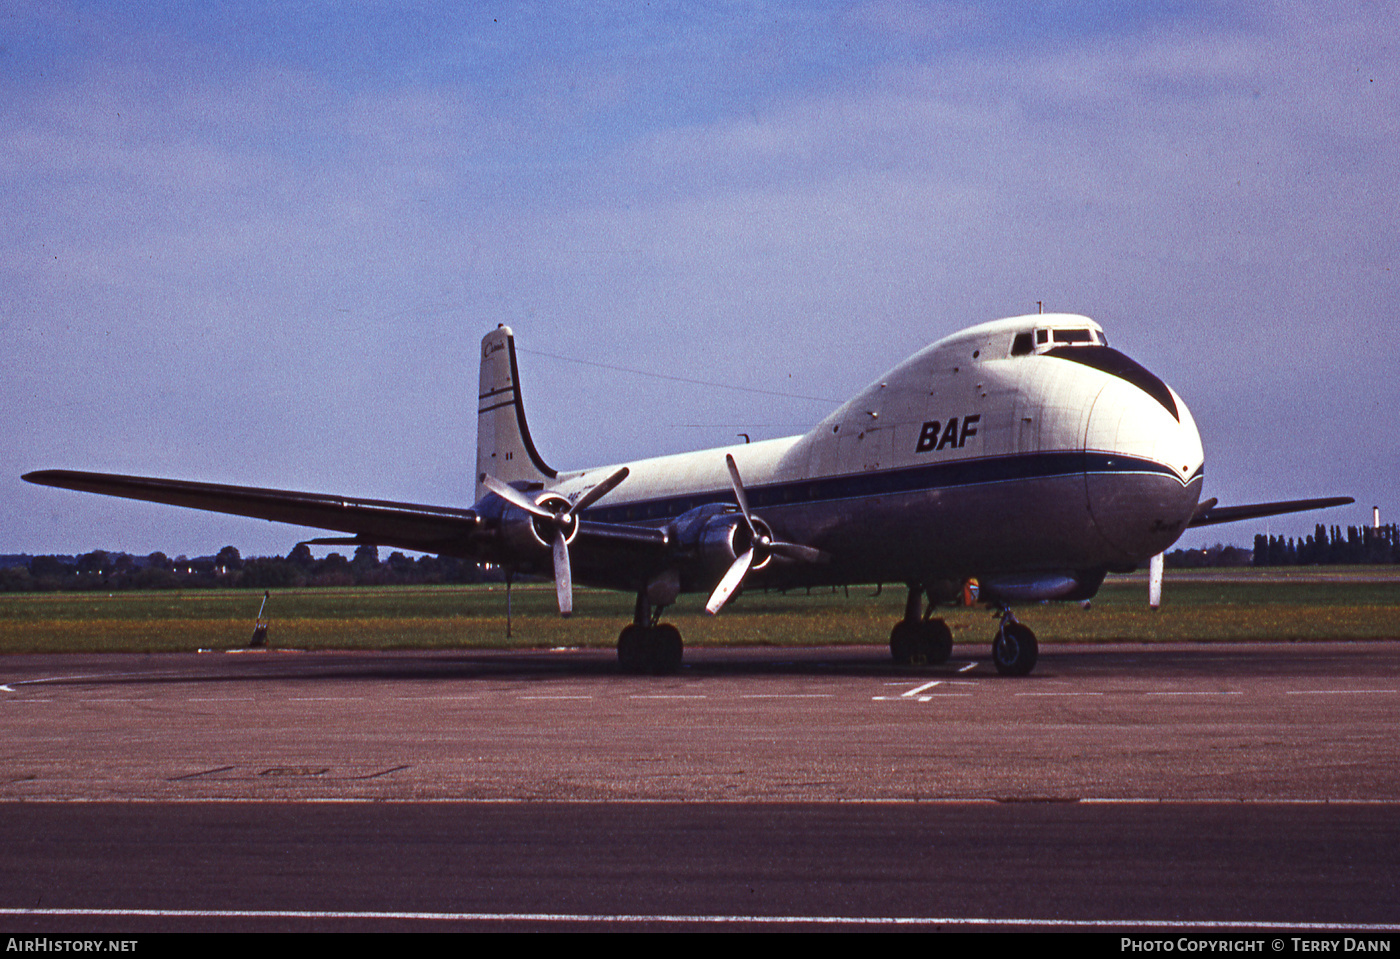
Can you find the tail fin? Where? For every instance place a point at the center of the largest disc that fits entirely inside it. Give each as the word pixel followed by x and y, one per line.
pixel 503 445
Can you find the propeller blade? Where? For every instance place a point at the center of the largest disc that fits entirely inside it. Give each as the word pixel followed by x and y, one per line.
pixel 803 554
pixel 729 583
pixel 739 492
pixel 514 497
pixel 598 492
pixel 563 576
pixel 1154 582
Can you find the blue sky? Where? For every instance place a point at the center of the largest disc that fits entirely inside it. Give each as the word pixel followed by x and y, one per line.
pixel 258 244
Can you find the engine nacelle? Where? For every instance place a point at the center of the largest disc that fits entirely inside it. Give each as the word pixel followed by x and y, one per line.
pixel 713 537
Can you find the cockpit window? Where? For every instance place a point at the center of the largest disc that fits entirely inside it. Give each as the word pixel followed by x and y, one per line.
pixel 1052 338
pixel 1047 338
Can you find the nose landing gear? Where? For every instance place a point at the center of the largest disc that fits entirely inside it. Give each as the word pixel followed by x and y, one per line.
pixel 1014 649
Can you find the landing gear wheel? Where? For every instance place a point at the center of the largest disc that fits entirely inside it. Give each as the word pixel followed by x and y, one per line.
pixel 921 643
pixel 939 640
pixel 650 649
pixel 904 643
pixel 1014 650
pixel 667 650
pixel 631 648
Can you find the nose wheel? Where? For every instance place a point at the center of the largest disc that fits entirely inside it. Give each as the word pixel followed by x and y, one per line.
pixel 1014 649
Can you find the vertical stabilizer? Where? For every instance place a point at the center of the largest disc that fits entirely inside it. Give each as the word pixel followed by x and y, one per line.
pixel 503 445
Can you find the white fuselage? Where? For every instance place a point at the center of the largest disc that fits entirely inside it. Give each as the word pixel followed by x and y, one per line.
pixel 1021 445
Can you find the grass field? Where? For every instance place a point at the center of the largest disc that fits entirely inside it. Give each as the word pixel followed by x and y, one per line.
pixel 1200 606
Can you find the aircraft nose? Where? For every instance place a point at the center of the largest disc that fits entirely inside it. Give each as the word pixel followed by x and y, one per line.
pixel 1143 468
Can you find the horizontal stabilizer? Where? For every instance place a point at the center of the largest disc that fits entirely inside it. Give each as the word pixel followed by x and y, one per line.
pixel 1212 514
pixel 428 529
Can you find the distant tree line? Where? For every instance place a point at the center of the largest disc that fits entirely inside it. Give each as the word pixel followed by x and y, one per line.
pixel 1217 555
pixel 1327 546
pixel 105 570
pixel 1362 544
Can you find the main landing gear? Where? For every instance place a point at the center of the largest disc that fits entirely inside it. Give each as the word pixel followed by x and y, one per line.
pixel 647 646
pixel 917 640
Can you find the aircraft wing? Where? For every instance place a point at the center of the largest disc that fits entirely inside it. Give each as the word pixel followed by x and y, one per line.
pixel 428 529
pixel 1209 514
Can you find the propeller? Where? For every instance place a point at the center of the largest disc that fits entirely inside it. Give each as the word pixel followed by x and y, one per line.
pixel 564 522
pixel 761 546
pixel 1154 581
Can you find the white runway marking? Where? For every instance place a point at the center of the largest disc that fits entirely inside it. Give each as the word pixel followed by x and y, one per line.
pixel 1060 694
pixel 70 679
pixel 786 696
pixel 917 693
pixel 672 918
pixel 429 699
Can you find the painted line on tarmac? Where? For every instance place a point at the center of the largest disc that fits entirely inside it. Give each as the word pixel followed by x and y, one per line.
pixel 673 918
pixel 1066 693
pixel 7 687
pixel 788 696
pixel 1232 801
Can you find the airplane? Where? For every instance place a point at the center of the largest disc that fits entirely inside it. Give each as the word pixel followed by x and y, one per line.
pixel 1016 461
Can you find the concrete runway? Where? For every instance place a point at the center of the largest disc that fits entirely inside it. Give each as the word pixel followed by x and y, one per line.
pixel 1116 787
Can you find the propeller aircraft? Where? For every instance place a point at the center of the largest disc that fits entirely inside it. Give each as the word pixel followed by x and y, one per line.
pixel 1015 461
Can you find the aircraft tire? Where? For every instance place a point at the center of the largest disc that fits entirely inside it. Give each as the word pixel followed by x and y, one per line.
pixel 631 648
pixel 904 643
pixel 937 640
pixel 1014 650
pixel 667 649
